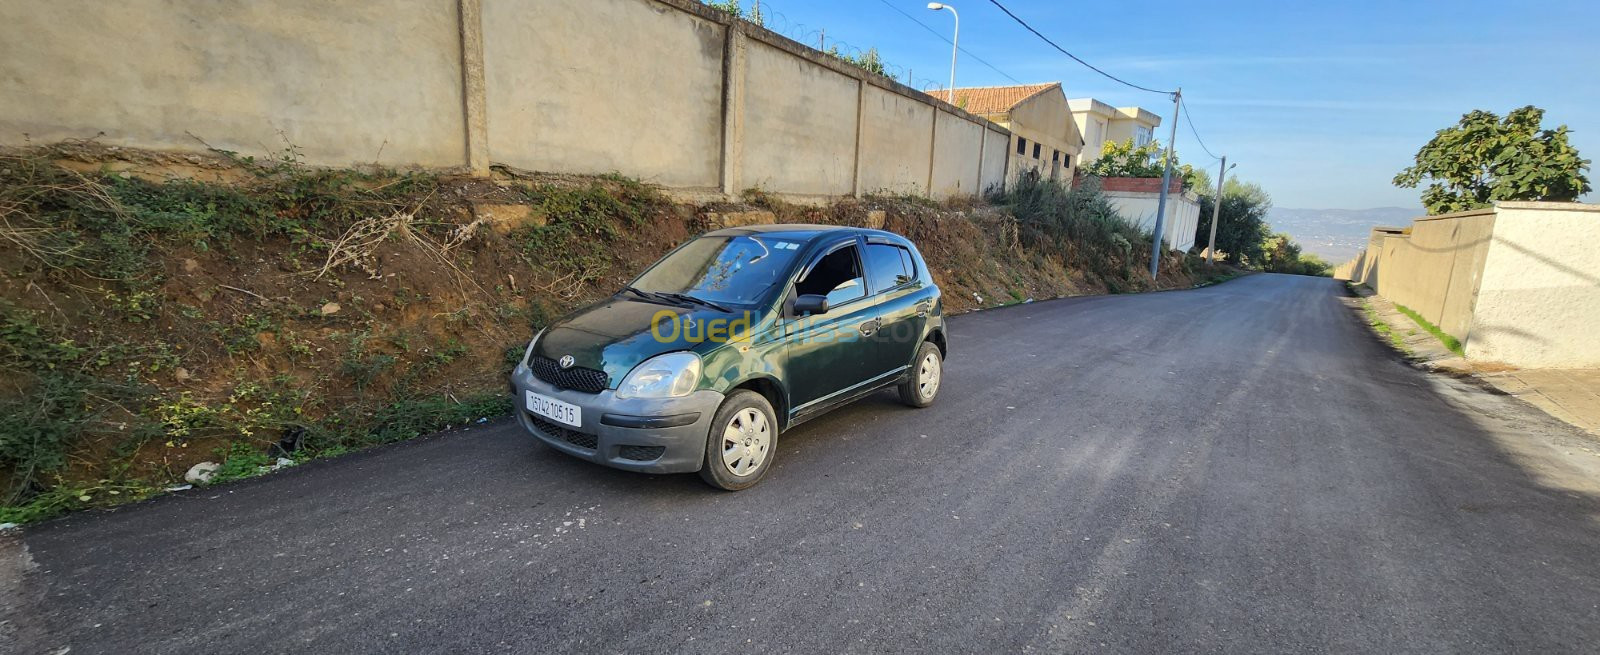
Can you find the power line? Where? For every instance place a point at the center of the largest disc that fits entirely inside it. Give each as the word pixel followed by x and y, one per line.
pixel 1073 56
pixel 1195 132
pixel 942 37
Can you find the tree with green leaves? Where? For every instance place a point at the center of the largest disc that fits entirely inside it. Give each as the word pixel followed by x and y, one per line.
pixel 1242 232
pixel 1485 158
pixel 1123 159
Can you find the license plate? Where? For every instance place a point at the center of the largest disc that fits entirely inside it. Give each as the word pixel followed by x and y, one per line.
pixel 555 410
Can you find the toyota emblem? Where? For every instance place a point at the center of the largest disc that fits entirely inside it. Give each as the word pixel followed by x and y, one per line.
pixel 567 361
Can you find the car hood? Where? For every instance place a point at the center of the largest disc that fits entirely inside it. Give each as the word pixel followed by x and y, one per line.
pixel 614 335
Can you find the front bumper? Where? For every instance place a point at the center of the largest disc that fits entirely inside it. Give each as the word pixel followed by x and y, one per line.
pixel 650 435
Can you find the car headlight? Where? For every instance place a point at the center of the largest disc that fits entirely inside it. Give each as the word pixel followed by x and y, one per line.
pixel 531 343
pixel 664 376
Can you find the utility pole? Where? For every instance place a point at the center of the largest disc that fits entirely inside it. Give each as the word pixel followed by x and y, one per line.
pixel 1216 213
pixel 1166 181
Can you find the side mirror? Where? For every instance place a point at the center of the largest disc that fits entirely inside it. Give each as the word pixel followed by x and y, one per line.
pixel 811 303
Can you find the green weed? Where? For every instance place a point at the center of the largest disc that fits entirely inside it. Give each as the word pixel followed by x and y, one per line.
pixel 1450 342
pixel 1383 329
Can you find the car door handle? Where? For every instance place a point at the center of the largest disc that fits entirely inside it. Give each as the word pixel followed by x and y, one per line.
pixel 869 327
pixel 922 308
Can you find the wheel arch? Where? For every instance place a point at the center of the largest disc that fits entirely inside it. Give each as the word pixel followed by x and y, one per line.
pixel 770 388
pixel 936 335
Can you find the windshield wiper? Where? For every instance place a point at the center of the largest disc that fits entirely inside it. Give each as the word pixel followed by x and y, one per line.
pixel 698 301
pixel 657 298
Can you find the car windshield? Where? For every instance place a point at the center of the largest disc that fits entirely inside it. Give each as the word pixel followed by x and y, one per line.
pixel 730 270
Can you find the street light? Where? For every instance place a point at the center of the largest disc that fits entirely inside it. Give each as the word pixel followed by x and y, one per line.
pixel 1216 211
pixel 950 96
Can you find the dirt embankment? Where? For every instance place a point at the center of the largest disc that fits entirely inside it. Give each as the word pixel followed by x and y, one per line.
pixel 163 310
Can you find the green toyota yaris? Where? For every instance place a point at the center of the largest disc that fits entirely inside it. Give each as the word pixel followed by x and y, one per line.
pixel 730 339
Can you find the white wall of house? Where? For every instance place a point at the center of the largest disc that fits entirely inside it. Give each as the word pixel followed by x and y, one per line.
pixel 1183 214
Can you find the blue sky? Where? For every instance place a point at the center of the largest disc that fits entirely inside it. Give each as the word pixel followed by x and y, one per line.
pixel 1319 102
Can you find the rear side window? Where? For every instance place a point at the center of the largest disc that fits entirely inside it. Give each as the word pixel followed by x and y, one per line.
pixel 888 266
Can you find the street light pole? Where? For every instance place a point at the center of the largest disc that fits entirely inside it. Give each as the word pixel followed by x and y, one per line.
pixel 1166 180
pixel 1216 212
pixel 950 96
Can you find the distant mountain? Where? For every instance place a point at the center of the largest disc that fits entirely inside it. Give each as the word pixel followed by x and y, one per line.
pixel 1336 234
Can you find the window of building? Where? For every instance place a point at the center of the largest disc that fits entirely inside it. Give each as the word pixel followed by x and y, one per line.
pixel 1022 146
pixel 1143 135
pixel 1055 156
pixel 1035 151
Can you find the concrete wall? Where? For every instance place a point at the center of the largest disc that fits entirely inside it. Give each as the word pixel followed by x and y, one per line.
pixel 1364 269
pixel 560 77
pixel 954 173
pixel 1434 269
pixel 344 82
pixel 1183 213
pixel 896 143
pixel 996 152
pixel 669 91
pixel 1518 283
pixel 1539 297
pixel 799 125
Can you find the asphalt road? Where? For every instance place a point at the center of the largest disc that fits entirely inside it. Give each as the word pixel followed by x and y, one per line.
pixel 1237 468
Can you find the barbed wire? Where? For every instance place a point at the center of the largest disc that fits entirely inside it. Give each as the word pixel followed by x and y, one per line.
pixel 813 37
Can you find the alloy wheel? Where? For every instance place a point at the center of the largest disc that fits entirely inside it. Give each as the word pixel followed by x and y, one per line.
pixel 928 376
pixel 745 442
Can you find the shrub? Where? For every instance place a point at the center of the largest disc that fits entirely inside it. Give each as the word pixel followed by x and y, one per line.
pixel 1080 224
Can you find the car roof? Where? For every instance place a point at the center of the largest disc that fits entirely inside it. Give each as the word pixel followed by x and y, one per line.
pixel 801 231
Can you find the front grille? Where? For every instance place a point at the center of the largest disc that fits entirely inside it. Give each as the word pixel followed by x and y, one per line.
pixel 587 380
pixel 564 433
pixel 642 453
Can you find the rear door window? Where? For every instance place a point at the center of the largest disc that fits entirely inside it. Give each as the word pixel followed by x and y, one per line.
pixel 887 266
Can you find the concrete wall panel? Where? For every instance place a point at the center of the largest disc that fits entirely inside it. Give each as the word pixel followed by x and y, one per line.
pixel 595 86
pixel 896 143
pixel 1470 240
pixel 1539 298
pixel 799 125
pixel 344 82
pixel 956 147
pixel 996 145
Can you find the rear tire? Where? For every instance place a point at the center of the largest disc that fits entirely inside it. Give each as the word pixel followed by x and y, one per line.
pixel 922 383
pixel 743 442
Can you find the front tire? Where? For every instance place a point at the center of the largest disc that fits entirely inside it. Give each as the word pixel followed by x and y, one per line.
pixel 922 383
pixel 742 443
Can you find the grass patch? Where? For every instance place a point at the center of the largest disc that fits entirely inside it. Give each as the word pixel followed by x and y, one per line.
pixel 582 223
pixel 345 432
pixel 106 226
pixel 1450 342
pixel 1218 278
pixel 1383 328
